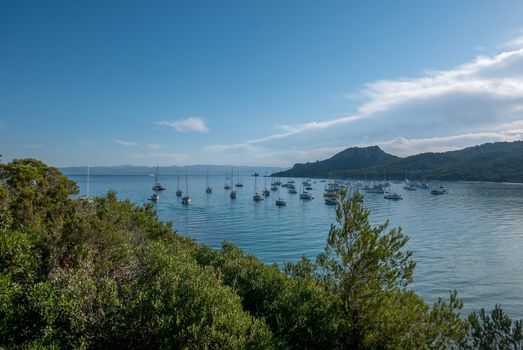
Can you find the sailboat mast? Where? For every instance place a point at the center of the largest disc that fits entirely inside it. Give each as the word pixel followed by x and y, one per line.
pixel 87 179
pixel 186 183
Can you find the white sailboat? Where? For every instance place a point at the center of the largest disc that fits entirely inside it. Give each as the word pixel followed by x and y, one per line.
pixel 266 192
pixel 179 192
pixel 86 196
pixel 155 197
pixel 186 200
pixel 256 197
pixel 208 188
pixel 239 183
pixel 233 192
pixel 304 194
pixel 157 185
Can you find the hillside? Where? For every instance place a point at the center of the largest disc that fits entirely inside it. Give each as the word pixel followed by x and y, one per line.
pixel 498 162
pixel 354 158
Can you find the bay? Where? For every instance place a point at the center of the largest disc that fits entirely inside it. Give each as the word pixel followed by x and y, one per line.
pixel 470 239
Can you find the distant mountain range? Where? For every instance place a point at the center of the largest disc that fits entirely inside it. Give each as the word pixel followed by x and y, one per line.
pixel 497 162
pixel 169 170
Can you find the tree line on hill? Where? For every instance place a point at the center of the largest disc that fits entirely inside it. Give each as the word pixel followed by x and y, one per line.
pixel 497 162
pixel 106 274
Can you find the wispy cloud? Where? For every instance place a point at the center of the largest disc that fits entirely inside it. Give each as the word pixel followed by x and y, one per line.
pixel 154 146
pixel 191 124
pixel 126 143
pixel 470 101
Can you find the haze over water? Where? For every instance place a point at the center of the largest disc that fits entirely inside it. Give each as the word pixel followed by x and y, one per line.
pixel 470 239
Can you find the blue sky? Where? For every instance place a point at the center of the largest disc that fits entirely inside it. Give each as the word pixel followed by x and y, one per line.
pixel 255 82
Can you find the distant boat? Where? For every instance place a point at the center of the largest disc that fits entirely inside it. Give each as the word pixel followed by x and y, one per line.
pixel 239 183
pixel 409 188
pixel 280 202
pixel 266 192
pixel 376 189
pixel 155 197
pixel 256 174
pixel 226 185
pixel 208 188
pixel 179 192
pixel 157 185
pixel 439 191
pixel 256 196
pixel 305 195
pixel 233 193
pixel 393 196
pixel 186 200
pixel 86 197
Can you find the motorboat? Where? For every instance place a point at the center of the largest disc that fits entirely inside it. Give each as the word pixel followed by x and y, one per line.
pixel 393 196
pixel 439 191
pixel 280 202
pixel 155 197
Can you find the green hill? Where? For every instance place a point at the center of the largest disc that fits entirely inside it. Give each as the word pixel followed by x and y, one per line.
pixel 498 162
pixel 354 158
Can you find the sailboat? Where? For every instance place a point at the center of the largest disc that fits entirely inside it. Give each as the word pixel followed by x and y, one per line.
pixel 86 197
pixel 256 197
pixel 266 192
pixel 304 194
pixel 239 183
pixel 155 197
pixel 233 193
pixel 186 200
pixel 209 188
pixel 178 191
pixel 226 185
pixel 157 185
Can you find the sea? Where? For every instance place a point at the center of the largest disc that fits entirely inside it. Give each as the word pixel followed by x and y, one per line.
pixel 470 239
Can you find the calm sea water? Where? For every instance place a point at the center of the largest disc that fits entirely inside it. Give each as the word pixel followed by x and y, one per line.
pixel 470 239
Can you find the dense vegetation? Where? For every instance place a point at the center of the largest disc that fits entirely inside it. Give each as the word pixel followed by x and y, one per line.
pixel 498 162
pixel 103 273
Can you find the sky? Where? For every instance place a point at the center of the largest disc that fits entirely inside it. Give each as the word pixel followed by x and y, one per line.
pixel 260 82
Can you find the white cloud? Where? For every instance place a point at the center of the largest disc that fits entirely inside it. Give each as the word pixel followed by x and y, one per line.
pixel 515 43
pixel 191 124
pixel 126 143
pixel 154 146
pixel 475 101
